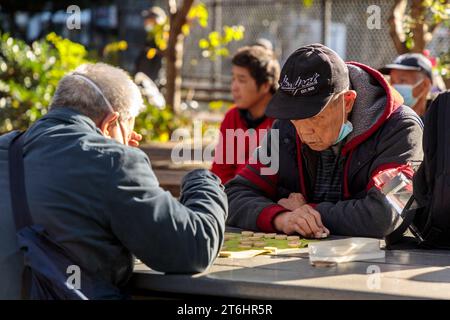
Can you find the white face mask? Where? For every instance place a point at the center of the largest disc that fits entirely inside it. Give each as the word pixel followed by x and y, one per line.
pixel 97 89
pixel 406 91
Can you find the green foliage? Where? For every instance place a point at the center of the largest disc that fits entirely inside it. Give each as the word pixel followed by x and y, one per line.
pixel 216 43
pixel 29 76
pixel 308 3
pixel 111 52
pixel 219 106
pixel 157 124
pixel 437 12
pixel 198 13
pixel 213 46
pixel 443 65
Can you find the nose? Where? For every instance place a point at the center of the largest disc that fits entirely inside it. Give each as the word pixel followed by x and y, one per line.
pixel 234 87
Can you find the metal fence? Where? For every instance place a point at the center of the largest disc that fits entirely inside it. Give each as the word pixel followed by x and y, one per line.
pixel 288 24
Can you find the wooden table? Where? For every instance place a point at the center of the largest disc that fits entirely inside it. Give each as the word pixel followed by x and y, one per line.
pixel 403 274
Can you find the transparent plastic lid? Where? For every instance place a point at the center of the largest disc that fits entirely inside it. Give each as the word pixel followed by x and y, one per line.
pixel 344 250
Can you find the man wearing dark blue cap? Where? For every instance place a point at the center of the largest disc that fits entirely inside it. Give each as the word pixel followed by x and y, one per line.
pixel 412 76
pixel 339 125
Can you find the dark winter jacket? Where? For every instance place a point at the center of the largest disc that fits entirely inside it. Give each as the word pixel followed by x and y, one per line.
pixel 102 202
pixel 385 135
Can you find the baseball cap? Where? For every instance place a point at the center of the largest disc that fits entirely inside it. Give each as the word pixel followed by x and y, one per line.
pixel 309 78
pixel 410 61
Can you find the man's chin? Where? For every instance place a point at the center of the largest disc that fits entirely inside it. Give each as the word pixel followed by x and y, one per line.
pixel 316 146
pixel 240 106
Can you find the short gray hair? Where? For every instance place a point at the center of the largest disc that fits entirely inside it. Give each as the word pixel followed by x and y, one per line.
pixel 115 84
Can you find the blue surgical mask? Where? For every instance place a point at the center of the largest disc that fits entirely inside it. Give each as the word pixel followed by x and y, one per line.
pixel 406 90
pixel 346 128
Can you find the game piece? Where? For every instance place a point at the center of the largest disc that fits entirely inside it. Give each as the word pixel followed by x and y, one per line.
pixel 294 244
pixel 259 244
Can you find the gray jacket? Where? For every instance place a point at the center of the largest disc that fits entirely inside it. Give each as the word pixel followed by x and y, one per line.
pixel 101 201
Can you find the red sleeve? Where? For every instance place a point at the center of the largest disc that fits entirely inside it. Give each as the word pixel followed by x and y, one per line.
pixel 266 217
pixel 388 170
pixel 224 171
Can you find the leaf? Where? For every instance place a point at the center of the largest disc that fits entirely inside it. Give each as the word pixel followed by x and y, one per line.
pixel 203 43
pixel 214 38
pixel 409 43
pixel 200 13
pixel 185 29
pixel 223 52
pixel 151 53
pixel 216 105
pixel 308 3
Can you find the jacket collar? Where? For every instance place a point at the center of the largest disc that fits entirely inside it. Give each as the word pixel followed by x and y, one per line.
pixel 69 115
pixel 391 101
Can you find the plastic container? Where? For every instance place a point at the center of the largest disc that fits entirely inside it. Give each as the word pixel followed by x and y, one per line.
pixel 345 250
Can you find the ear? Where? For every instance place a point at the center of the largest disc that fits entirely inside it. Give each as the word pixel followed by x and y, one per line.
pixel 422 88
pixel 108 121
pixel 349 100
pixel 265 87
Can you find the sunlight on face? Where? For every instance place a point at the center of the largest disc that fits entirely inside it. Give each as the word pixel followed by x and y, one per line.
pixel 321 131
pixel 244 88
pixel 406 76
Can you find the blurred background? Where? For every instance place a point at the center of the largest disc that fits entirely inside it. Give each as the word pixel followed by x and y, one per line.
pixel 185 47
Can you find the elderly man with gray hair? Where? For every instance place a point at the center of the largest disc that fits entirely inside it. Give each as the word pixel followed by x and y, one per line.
pixel 97 196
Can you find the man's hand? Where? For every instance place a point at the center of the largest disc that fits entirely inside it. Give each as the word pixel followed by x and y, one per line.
pixel 135 138
pixel 304 220
pixel 294 201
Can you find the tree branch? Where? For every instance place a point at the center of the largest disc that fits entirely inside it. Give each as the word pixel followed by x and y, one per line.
pixel 396 26
pixel 180 17
pixel 419 24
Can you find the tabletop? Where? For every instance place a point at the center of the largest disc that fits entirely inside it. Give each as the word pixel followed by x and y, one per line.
pixel 402 274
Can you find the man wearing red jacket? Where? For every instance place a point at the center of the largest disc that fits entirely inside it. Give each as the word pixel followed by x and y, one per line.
pixel 255 75
pixel 340 125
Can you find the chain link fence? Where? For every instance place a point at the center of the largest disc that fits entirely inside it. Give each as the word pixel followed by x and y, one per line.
pixel 288 24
